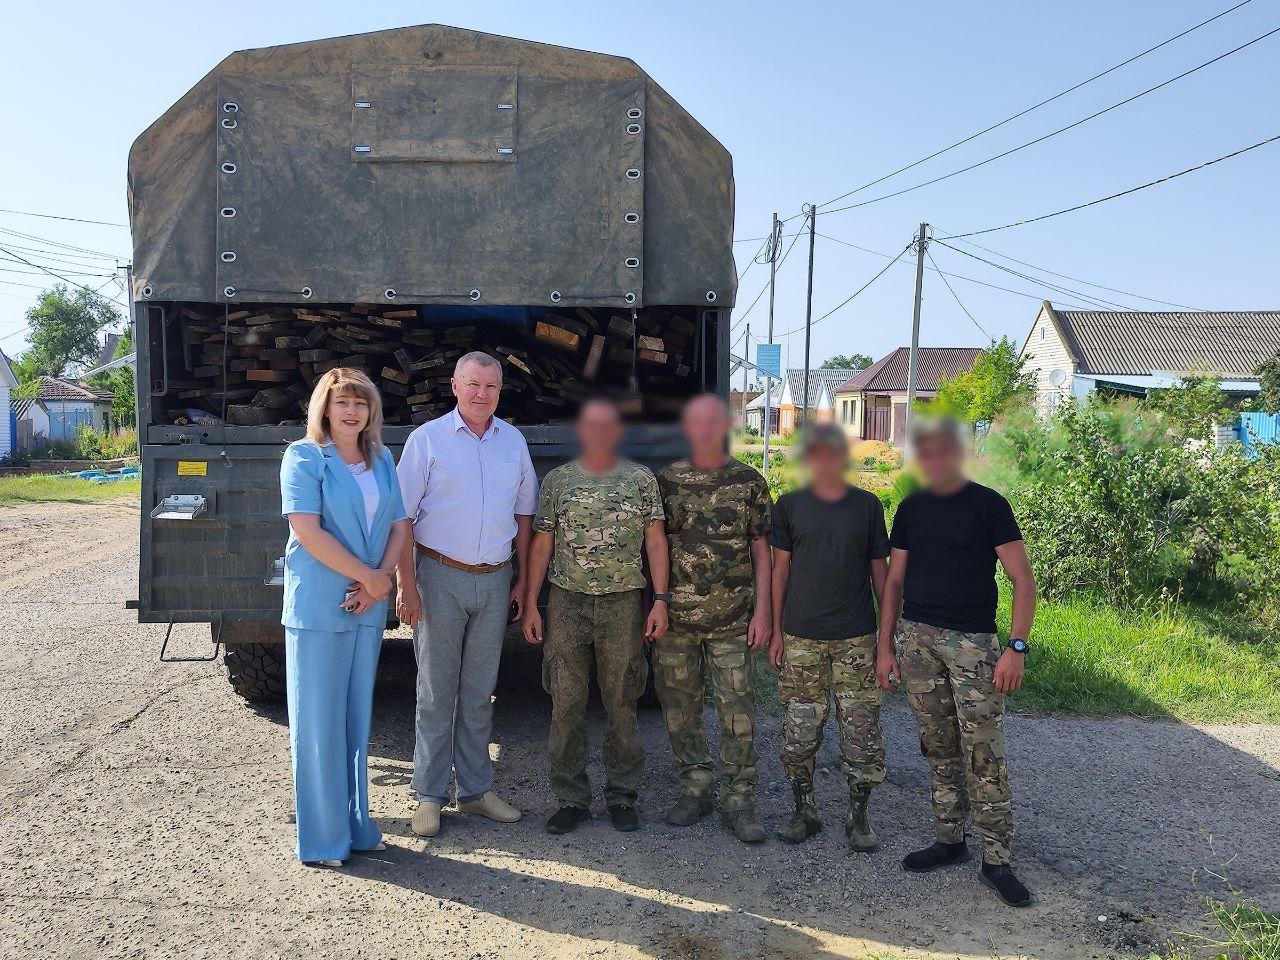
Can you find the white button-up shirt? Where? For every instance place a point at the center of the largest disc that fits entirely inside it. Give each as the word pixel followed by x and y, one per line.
pixel 463 492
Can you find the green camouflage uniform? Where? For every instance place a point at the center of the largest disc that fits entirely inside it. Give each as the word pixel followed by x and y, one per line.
pixel 712 518
pixel 594 612
pixel 949 678
pixel 813 671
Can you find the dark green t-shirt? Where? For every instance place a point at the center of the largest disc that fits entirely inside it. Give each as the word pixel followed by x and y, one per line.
pixel 832 544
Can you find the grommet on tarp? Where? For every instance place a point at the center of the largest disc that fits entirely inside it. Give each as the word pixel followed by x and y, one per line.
pixel 228 123
pixel 555 296
pixel 228 256
pixel 632 262
pixel 711 296
pixel 389 293
pixel 633 173
pixel 306 293
pixel 229 168
pixel 364 148
pixel 631 217
pixel 230 107
pixel 506 106
pixel 227 212
pixel 630 298
pixel 147 291
pixel 228 292
pixel 362 104
pixel 633 128
pixel 474 294
pixel 635 113
pixel 506 150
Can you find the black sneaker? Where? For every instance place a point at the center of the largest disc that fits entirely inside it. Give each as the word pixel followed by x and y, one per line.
pixel 938 855
pixel 624 818
pixel 566 819
pixel 1000 878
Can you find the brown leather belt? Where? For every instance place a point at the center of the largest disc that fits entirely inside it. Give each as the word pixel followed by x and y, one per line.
pixel 458 564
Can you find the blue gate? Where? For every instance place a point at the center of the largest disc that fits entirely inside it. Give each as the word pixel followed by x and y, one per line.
pixel 1255 429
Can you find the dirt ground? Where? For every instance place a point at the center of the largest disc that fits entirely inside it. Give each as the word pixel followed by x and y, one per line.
pixel 146 815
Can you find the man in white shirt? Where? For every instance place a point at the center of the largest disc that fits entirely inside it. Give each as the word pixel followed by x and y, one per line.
pixel 470 491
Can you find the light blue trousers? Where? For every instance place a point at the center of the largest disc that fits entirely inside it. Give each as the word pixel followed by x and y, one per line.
pixel 330 680
pixel 458 644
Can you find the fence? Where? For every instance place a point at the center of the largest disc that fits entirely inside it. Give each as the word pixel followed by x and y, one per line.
pixel 1255 429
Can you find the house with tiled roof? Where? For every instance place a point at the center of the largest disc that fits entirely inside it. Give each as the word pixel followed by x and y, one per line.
pixel 1073 353
pixel 872 404
pixel 787 402
pixel 8 423
pixel 70 404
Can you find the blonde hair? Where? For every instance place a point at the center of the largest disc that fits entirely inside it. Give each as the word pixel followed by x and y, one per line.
pixel 345 382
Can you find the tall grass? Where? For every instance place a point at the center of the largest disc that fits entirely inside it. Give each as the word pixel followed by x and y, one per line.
pixel 42 488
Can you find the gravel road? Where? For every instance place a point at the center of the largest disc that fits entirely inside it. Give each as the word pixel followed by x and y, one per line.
pixel 146 815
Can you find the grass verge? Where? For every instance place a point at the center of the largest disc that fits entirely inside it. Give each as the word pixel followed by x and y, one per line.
pixel 1162 663
pixel 44 488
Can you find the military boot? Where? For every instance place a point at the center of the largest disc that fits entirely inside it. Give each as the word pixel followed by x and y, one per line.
pixel 805 823
pixel 857 827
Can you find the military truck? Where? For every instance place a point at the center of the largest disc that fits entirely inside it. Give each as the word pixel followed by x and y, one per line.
pixel 388 201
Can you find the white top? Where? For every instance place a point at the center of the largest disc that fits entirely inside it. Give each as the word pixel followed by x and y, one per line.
pixel 367 481
pixel 463 492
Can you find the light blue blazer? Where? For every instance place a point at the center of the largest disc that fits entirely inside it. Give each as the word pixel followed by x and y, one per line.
pixel 313 479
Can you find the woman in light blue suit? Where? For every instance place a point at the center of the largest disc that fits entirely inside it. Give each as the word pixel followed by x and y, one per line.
pixel 347 527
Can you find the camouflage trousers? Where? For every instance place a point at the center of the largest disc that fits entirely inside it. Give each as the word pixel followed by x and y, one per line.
pixel 949 678
pixel 813 672
pixel 680 666
pixel 606 630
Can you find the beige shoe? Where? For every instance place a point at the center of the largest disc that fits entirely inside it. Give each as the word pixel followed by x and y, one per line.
pixel 492 806
pixel 426 819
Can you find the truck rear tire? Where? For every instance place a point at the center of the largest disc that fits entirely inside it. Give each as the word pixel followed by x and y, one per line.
pixel 254 661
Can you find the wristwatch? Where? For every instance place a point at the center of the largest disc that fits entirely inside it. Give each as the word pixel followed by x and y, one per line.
pixel 664 597
pixel 1018 645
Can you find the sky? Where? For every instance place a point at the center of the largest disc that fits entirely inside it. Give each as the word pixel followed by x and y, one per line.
pixel 813 99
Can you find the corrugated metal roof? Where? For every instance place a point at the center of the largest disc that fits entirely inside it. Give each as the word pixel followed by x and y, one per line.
pixel 53 389
pixel 889 373
pixel 1136 343
pixel 817 380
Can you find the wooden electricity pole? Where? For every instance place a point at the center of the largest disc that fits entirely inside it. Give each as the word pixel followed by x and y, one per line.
pixel 922 243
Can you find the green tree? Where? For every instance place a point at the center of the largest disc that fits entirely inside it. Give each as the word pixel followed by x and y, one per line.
pixel 852 361
pixel 1193 407
pixel 64 330
pixel 1268 374
pixel 120 383
pixel 996 382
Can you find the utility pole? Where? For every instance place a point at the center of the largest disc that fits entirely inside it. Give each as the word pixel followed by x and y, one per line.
pixel 922 243
pixel 774 233
pixel 808 307
pixel 746 356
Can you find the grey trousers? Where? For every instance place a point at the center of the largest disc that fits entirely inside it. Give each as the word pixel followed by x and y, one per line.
pixel 458 644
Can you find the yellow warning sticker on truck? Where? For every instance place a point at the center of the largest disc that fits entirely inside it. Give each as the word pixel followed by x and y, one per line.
pixel 193 468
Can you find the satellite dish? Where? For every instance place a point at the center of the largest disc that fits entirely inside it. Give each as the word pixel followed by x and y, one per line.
pixel 1058 377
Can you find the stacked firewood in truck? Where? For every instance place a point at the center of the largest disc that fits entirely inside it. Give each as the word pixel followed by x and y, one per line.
pixel 257 366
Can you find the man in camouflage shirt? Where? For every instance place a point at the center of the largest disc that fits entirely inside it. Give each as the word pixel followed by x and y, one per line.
pixel 596 516
pixel 717 522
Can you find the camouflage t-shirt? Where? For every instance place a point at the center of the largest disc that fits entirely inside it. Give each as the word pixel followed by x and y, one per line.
pixel 712 517
pixel 598 523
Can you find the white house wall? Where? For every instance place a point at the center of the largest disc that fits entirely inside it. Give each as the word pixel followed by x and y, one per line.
pixel 6 422
pixel 1046 352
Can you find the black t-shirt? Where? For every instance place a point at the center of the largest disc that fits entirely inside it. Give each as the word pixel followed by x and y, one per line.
pixel 832 546
pixel 951 564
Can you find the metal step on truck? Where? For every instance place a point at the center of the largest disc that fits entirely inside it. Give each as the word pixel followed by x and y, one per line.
pixel 389 201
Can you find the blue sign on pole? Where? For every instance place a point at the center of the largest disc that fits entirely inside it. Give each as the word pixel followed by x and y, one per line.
pixel 769 359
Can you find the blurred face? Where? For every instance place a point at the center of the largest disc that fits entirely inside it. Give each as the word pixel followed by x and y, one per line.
pixel 706 426
pixel 347 416
pixel 940 460
pixel 599 430
pixel 477 388
pixel 826 464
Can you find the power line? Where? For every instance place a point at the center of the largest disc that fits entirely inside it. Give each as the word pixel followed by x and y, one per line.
pixel 59 276
pixel 50 216
pixel 1122 193
pixel 954 276
pixel 1087 283
pixel 56 243
pixel 1023 113
pixel 849 298
pixel 1088 298
pixel 1054 133
pixel 956 296
pixel 765 288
